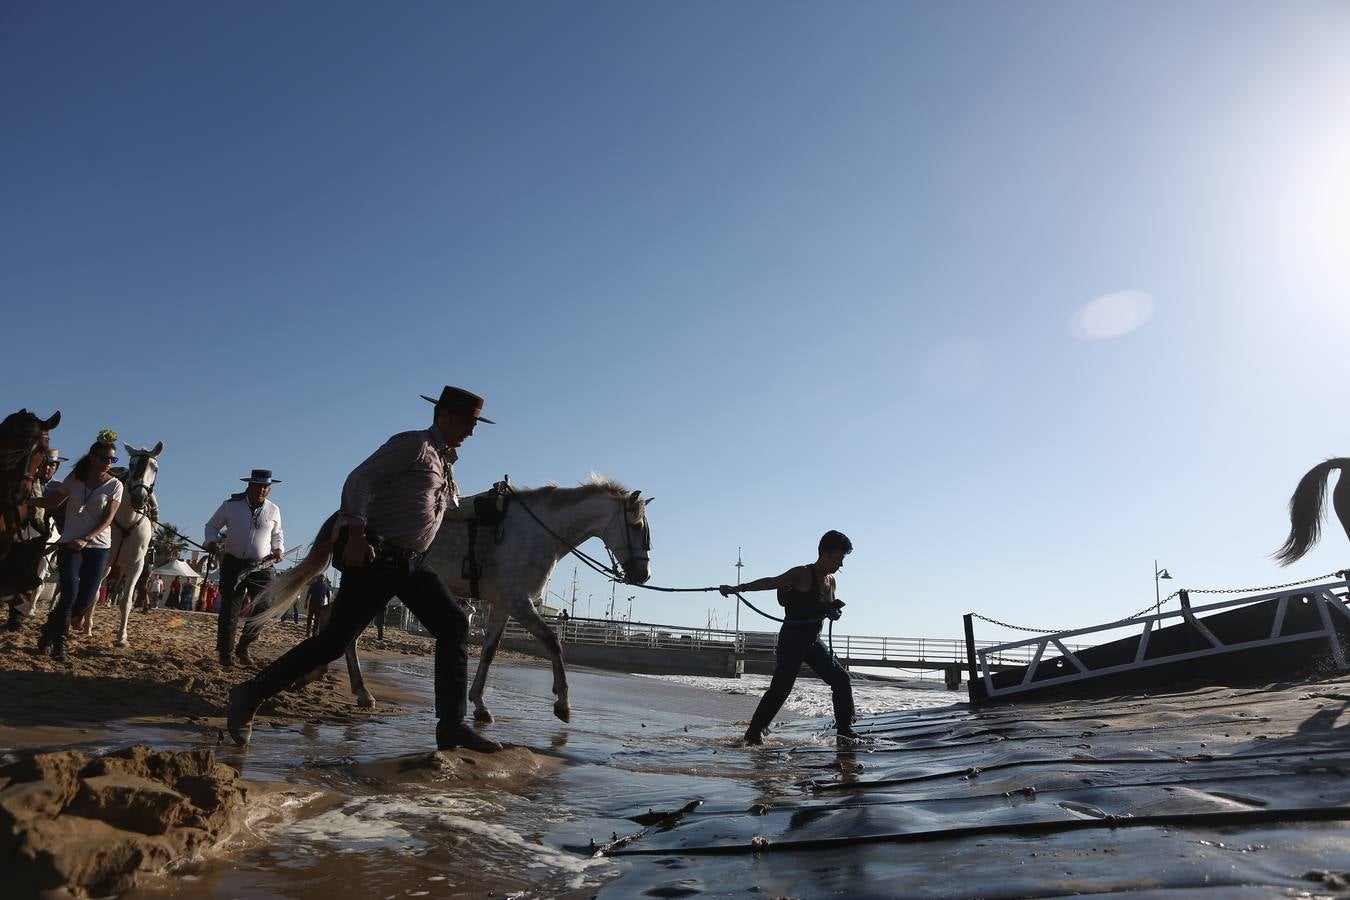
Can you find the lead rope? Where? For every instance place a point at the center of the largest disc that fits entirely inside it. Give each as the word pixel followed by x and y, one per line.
pixel 613 574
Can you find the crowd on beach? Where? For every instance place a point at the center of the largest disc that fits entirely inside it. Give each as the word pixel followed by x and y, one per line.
pixel 74 517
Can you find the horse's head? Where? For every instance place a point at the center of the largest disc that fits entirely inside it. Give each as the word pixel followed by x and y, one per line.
pixel 23 441
pixel 142 469
pixel 629 538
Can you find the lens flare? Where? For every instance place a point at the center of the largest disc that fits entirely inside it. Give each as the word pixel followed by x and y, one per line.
pixel 1112 315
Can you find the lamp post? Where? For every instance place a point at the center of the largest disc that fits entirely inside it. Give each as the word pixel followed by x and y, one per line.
pixel 1158 576
pixel 739 565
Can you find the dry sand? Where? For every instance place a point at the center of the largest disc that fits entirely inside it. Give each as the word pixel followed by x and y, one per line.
pixel 170 674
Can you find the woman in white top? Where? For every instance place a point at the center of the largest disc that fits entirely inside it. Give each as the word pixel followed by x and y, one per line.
pixel 91 496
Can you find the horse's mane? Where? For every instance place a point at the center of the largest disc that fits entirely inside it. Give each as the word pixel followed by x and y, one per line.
pixel 595 484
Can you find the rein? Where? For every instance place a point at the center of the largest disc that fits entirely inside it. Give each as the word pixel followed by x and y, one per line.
pixel 613 574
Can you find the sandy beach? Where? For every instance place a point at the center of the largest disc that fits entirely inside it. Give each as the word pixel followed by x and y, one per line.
pixel 647 793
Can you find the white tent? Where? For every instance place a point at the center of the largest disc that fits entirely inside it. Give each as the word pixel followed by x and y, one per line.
pixel 177 568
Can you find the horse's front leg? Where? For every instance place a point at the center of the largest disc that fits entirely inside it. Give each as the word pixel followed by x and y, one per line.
pixel 528 617
pixel 492 636
pixel 364 698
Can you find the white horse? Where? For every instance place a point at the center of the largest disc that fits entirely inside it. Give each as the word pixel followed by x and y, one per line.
pixel 132 529
pixel 514 571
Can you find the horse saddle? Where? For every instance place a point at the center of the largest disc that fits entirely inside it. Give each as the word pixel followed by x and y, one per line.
pixel 489 510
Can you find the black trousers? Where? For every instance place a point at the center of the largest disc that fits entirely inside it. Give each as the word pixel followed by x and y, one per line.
pixel 797 645
pixel 232 599
pixel 363 595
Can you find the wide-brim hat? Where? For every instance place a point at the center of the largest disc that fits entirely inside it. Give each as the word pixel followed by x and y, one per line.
pixel 461 401
pixel 54 455
pixel 261 476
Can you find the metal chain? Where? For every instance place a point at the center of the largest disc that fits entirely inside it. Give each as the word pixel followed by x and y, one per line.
pixel 1159 605
pixel 1263 590
pixel 1015 627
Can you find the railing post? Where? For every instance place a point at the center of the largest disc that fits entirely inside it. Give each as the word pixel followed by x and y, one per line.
pixel 970 648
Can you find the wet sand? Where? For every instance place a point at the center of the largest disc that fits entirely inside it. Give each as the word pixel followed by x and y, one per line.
pixel 1239 788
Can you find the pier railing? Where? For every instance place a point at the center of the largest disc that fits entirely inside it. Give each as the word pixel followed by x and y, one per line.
pixel 851 649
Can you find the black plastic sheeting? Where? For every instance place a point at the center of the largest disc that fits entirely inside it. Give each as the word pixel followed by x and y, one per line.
pixel 1247 789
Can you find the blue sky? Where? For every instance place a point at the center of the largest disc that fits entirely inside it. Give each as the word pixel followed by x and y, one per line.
pixel 1019 296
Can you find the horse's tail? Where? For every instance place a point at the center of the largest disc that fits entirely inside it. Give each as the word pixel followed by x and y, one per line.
pixel 1305 510
pixel 283 592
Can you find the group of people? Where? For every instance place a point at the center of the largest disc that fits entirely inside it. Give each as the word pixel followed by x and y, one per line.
pixel 182 593
pixel 393 503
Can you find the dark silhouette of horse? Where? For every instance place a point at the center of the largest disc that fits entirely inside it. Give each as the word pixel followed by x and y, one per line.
pixel 1305 508
pixel 23 440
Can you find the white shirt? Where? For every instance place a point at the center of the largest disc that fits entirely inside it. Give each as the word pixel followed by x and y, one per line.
pixel 156 585
pixel 85 509
pixel 249 533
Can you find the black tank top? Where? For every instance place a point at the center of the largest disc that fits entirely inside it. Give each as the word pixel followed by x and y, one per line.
pixel 807 604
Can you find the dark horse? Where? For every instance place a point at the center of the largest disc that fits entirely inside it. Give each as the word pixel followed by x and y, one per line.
pixel 1305 508
pixel 23 441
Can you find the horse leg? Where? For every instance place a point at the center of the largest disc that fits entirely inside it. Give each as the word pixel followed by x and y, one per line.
pixel 492 636
pixel 315 675
pixel 124 601
pixel 364 698
pixel 528 617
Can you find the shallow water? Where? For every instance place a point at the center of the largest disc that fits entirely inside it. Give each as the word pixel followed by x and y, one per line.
pixel 359 810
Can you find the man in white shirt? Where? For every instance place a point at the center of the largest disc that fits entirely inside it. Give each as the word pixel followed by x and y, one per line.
pixel 154 592
pixel 252 533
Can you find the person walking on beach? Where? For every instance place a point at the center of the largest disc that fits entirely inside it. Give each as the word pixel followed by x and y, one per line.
pixel 156 592
pixel 807 594
pixel 90 497
pixel 318 596
pixel 392 507
pixel 252 532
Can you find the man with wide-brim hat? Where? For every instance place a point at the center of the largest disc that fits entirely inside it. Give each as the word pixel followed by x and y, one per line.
pixel 252 536
pixel 392 506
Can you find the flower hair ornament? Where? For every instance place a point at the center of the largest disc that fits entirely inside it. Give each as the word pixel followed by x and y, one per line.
pixel 107 436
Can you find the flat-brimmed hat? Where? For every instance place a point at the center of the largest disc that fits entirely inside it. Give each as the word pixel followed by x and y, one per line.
pixel 261 476
pixel 460 400
pixel 54 455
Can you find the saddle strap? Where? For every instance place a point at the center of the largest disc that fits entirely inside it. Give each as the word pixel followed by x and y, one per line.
pixel 470 570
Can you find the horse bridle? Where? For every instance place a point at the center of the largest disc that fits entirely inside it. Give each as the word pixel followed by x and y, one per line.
pixel 615 571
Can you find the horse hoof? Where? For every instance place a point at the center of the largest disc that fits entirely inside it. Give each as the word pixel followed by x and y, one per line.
pixel 365 701
pixel 562 711
pixel 121 642
pixel 482 715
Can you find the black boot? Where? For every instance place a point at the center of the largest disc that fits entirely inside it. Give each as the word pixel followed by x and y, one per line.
pixel 15 622
pixel 59 648
pixel 452 735
pixel 241 654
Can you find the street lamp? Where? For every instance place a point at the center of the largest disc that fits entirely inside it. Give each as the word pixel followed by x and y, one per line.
pixel 1158 576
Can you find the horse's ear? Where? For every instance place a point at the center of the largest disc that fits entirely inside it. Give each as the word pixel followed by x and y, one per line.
pixel 130 449
pixel 633 496
pixel 648 501
pixel 159 448
pixel 52 422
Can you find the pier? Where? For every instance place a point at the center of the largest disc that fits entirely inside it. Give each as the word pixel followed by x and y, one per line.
pixel 657 649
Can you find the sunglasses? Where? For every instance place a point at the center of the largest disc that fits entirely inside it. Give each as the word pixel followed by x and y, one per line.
pixel 108 459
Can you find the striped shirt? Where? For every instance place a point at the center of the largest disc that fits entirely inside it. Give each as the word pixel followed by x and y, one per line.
pixel 403 489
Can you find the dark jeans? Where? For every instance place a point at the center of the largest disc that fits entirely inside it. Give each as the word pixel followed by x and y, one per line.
pixel 797 645
pixel 232 601
pixel 363 595
pixel 78 574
